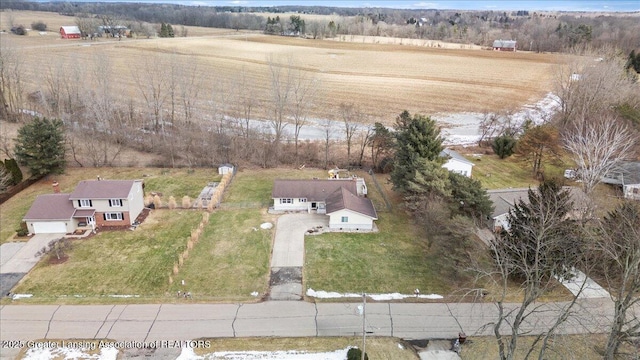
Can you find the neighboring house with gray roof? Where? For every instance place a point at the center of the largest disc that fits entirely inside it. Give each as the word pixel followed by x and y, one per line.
pixel 505 199
pixel 93 203
pixel 456 162
pixel 627 176
pixel 337 198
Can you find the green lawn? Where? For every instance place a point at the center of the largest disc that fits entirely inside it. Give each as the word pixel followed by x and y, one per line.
pixel 169 182
pixel 117 262
pixel 231 259
pixel 496 173
pixel 584 347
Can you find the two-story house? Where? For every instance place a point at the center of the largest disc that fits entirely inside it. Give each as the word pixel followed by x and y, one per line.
pixel 93 203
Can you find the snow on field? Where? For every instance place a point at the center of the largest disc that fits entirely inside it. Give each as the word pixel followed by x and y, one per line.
pixel 378 297
pixel 64 353
pixel 464 128
pixel 189 354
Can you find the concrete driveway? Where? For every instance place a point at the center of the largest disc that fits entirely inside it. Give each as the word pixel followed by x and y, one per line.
pixel 25 258
pixel 287 257
pixel 288 247
pixel 19 258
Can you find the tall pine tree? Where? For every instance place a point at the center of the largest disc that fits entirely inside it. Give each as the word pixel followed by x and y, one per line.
pixel 417 141
pixel 40 146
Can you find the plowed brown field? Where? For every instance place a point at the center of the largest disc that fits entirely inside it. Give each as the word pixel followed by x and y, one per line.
pixel 383 79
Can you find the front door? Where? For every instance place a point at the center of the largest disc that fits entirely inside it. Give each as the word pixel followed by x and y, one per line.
pixel 91 220
pixel 314 206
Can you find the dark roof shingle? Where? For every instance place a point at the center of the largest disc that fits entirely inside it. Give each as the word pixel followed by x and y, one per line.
pixel 312 190
pixel 102 189
pixel 344 199
pixel 50 207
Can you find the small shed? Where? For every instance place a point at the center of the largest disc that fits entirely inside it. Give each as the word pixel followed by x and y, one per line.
pixel 225 169
pixel 70 32
pixel 505 45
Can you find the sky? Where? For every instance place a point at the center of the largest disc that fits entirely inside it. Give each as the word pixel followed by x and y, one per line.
pixel 542 5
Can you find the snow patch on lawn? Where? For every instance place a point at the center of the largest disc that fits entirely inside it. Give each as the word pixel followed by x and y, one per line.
pixel 69 353
pixel 189 354
pixel 378 297
pixel 21 296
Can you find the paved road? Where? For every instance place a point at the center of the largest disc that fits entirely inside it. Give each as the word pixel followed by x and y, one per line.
pixel 274 318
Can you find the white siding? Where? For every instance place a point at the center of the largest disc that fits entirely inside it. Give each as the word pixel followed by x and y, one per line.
pixel 296 205
pixel 501 221
pixel 135 201
pixel 355 220
pixel 459 167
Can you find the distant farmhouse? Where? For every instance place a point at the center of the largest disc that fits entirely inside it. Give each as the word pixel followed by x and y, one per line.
pixel 627 176
pixel 505 45
pixel 341 199
pixel 70 32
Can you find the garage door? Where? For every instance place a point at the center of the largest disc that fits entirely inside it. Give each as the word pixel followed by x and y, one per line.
pixel 49 227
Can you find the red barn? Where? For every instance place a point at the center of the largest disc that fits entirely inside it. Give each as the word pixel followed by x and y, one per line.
pixel 70 32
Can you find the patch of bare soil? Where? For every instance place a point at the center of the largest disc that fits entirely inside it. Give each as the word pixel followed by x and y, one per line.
pixel 285 275
pixel 54 260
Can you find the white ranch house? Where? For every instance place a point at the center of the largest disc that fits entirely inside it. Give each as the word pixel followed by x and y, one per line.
pixel 341 199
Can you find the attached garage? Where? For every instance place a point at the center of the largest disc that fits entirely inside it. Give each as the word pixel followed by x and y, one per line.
pixel 49 227
pixel 51 214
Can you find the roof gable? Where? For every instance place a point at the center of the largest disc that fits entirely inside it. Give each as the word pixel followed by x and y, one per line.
pixel 50 207
pixel 102 189
pixel 70 29
pixel 312 190
pixel 343 199
pixel 454 155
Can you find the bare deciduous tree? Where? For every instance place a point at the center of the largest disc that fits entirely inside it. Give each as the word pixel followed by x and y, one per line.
pixel 598 146
pixel 303 94
pixel 5 179
pixel 540 243
pixel 11 84
pixel 618 242
pixel 328 130
pixel 282 78
pixel 351 116
pixel 151 79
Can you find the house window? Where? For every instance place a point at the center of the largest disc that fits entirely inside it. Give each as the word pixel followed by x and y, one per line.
pixel 115 202
pixel 113 216
pixel 84 203
pixel 302 200
pixel 286 201
pixel 344 219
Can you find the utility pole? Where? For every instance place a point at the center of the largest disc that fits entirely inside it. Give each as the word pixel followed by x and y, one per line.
pixel 364 320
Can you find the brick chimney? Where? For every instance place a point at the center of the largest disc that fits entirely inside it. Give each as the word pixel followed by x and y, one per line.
pixel 56 187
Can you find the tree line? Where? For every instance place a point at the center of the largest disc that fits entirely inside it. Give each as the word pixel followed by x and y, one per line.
pixel 534 31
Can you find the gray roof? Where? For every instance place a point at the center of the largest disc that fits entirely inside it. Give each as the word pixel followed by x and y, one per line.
pixel 343 199
pixel 504 199
pixel 50 207
pixel 505 43
pixel 627 173
pixel 102 189
pixel 452 154
pixel 312 190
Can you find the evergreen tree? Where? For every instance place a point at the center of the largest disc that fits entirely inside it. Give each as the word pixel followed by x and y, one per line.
pixel 11 165
pixel 40 146
pixel 163 30
pixel 468 197
pixel 504 146
pixel 170 32
pixel 417 141
pixel 540 235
